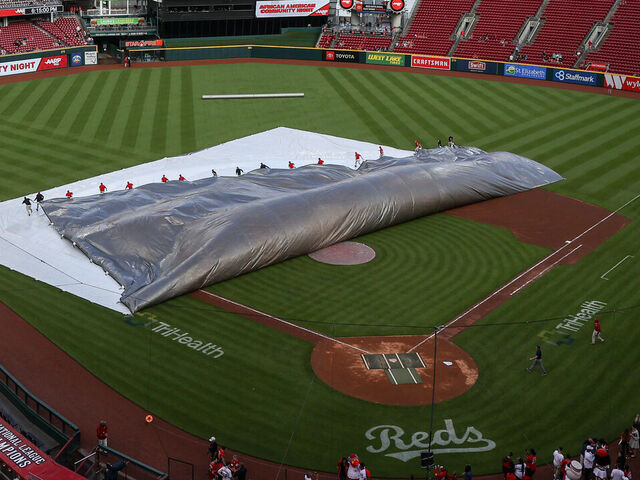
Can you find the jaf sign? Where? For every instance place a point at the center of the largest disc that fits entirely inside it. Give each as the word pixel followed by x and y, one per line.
pixel 293 8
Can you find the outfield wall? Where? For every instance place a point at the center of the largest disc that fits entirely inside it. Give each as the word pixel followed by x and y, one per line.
pixel 31 62
pixel 550 73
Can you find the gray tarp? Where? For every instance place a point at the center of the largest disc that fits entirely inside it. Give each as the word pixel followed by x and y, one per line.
pixel 166 239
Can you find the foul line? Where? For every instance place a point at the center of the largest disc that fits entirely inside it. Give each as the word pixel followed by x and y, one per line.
pixel 544 271
pixel 469 310
pixel 603 275
pixel 366 364
pixel 326 337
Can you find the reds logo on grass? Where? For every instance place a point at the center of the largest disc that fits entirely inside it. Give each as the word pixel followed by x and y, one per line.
pixel 397 5
pixel 49 63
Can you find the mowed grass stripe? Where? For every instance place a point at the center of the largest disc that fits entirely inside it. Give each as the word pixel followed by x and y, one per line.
pixel 87 110
pixel 114 105
pixel 423 97
pixel 132 127
pixel 57 117
pixel 20 91
pixel 443 91
pixel 553 117
pixel 161 117
pixel 569 135
pixel 41 96
pixel 331 76
pixel 382 103
pixel 187 118
pixel 469 104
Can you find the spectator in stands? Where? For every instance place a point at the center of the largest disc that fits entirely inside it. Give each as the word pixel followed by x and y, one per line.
pixel 129 186
pixel 164 179
pixel 112 470
pixel 102 187
pixel 181 178
pixel 320 161
pixel 439 143
pixel 241 474
pixel 214 173
pixel 69 194
pixel 262 165
pixel 239 171
pixel 102 432
pixel 451 142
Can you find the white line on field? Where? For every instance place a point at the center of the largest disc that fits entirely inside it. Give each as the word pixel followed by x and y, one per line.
pixel 421 361
pixel 415 381
pixel 545 270
pixel 401 364
pixel 603 276
pixel 282 321
pixel 469 310
pixel 366 364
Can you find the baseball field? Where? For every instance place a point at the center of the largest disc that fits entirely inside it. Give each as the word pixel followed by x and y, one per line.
pixel 263 397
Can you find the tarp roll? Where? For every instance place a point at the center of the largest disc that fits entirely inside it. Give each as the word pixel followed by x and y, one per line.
pixel 166 239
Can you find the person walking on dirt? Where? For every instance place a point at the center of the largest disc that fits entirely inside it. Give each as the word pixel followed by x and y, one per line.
pixel 537 360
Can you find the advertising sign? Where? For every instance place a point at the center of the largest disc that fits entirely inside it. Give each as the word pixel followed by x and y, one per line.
pixel 438 63
pixel 117 21
pixel 525 71
pixel 51 63
pixel 142 43
pixel 572 76
pixel 597 66
pixel 76 59
pixel 346 4
pixel 24 458
pixel 292 8
pixel 333 56
pixel 396 5
pixel 90 58
pixel 622 82
pixel 15 12
pixel 31 65
pixel 476 66
pixel 380 58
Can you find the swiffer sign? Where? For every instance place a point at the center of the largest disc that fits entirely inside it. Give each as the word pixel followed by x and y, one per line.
pixel 295 8
pixel 571 76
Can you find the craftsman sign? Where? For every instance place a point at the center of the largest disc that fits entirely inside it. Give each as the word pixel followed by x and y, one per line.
pixel 438 63
pixel 295 8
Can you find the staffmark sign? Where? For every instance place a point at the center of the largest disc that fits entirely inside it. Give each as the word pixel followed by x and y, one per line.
pixel 438 63
pixel 572 76
pixel 294 8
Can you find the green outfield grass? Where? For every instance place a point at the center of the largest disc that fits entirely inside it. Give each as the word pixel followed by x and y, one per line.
pixel 427 271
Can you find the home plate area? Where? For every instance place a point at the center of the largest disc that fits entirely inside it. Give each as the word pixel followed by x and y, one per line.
pixel 399 367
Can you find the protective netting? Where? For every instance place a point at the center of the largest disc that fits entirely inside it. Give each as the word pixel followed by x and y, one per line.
pixel 166 239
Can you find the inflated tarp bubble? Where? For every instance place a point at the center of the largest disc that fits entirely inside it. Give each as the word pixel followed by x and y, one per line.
pixel 162 240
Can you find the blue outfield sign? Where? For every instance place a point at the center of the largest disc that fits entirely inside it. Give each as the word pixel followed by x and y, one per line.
pixel 572 76
pixel 525 71
pixel 477 66
pixel 76 59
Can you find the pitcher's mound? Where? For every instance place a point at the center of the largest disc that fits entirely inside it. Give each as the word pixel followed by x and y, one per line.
pixel 345 253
